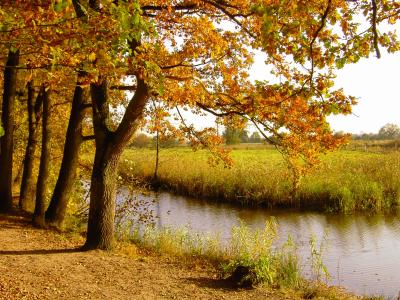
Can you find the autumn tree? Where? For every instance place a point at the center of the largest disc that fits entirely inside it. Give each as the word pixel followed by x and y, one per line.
pixel 18 28
pixel 58 205
pixel 42 182
pixel 199 59
pixel 34 107
pixel 7 120
pixel 59 22
pixel 196 55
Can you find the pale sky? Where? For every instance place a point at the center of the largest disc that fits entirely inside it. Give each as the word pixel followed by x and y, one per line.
pixel 375 82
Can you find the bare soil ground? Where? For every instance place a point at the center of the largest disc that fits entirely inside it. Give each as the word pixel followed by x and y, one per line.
pixel 43 264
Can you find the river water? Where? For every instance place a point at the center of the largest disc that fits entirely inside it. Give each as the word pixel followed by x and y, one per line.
pixel 362 253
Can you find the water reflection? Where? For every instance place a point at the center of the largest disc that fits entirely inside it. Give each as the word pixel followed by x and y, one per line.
pixel 362 252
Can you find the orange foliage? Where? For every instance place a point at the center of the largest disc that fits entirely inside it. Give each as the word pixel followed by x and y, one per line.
pixel 196 54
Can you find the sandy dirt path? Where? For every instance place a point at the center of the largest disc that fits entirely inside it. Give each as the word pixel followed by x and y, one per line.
pixel 43 264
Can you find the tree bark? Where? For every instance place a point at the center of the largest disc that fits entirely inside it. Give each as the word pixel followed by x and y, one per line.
pixel 55 213
pixel 27 183
pixel 7 119
pixel 18 177
pixel 109 147
pixel 39 213
pixel 100 233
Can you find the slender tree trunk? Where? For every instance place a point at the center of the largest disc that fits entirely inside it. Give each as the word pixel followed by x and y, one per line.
pixel 18 177
pixel 155 176
pixel 27 182
pixel 58 205
pixel 109 147
pixel 7 119
pixel 39 213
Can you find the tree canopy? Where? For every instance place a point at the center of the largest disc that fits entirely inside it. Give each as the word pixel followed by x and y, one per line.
pixel 194 55
pixel 197 54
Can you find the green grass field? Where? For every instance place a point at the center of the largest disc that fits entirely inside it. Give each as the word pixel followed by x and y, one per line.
pixel 345 181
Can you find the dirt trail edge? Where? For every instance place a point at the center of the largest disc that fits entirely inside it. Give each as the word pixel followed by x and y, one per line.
pixel 42 264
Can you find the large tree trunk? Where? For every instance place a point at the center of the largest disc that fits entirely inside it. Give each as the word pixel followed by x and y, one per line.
pixel 7 119
pixel 27 183
pixel 58 205
pixel 100 232
pixel 109 147
pixel 41 187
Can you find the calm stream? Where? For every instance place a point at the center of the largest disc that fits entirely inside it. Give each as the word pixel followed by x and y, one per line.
pixel 362 252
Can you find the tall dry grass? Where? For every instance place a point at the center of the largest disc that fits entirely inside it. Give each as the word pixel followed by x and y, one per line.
pixel 345 180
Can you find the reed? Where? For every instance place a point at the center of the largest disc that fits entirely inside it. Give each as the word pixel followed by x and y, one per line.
pixel 345 181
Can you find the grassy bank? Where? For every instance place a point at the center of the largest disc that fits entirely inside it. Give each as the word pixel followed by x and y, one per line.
pixel 346 181
pixel 277 270
pixel 254 249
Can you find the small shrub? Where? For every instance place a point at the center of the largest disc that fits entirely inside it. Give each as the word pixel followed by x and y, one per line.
pixel 254 250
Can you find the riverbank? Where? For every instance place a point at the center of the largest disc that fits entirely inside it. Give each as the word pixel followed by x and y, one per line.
pixel 346 181
pixel 43 264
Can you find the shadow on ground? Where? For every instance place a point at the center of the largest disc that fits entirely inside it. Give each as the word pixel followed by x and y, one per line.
pixel 221 284
pixel 14 219
pixel 39 251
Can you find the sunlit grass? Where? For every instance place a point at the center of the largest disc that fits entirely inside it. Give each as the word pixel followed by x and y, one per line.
pixel 251 248
pixel 276 267
pixel 345 181
pixel 351 180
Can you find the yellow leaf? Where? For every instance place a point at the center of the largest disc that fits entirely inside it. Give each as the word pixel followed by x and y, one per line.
pixel 92 56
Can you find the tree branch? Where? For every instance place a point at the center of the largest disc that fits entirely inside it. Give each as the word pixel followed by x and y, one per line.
pixel 374 30
pixel 233 17
pixel 123 87
pixel 43 67
pixel 321 26
pixel 86 106
pixel 166 7
pixel 88 137
pixel 133 112
pixel 263 134
pixel 219 114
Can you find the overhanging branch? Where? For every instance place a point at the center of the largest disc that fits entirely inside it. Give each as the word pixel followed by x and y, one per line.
pixel 321 26
pixel 124 87
pixel 374 30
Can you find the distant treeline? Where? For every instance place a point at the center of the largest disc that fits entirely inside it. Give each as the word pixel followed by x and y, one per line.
pixel 388 132
pixel 231 137
pixel 234 136
pixel 373 145
pixel 143 140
